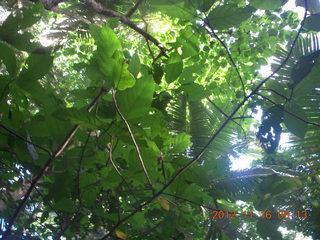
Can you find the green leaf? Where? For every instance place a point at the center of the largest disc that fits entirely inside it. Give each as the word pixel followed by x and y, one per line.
pixel 38 65
pixel 81 117
pixel 194 91
pixel 136 101
pixel 308 83
pixel 8 57
pixel 107 41
pixel 295 125
pixel 124 78
pixel 229 15
pixel 312 23
pixel 87 179
pixel 278 88
pixel 28 18
pixel 89 195
pixel 66 205
pixel 179 143
pixel 134 65
pixel 175 8
pixel 157 73
pixel 173 68
pixel 267 5
pixel 189 42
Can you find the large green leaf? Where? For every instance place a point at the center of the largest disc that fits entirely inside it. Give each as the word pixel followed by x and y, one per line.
pixel 8 57
pixel 229 15
pixel 174 67
pixel 294 124
pixel 134 65
pixel 38 64
pixel 268 5
pixel 110 59
pixel 66 205
pixel 136 101
pixel 312 23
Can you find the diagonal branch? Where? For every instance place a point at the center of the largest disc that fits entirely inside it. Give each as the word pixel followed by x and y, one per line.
pixel 132 137
pixel 98 7
pixel 290 113
pixel 135 7
pixel 226 115
pixel 229 55
pixel 23 138
pixel 200 154
pixel 46 167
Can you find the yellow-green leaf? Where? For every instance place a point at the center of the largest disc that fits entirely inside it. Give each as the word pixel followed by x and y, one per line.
pixel 121 235
pixel 164 203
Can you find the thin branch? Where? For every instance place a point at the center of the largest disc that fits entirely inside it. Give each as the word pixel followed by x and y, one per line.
pixel 113 164
pixel 70 14
pixel 196 158
pixel 80 165
pixel 274 91
pixel 10 130
pixel 135 7
pixel 242 117
pixel 132 137
pixel 224 114
pixel 98 7
pixel 229 55
pixel 147 41
pixel 46 167
pixel 52 6
pixel 290 113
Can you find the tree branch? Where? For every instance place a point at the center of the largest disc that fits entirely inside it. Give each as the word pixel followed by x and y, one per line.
pixel 10 130
pixel 98 7
pixel 229 55
pixel 46 167
pixel 290 113
pixel 135 7
pixel 132 137
pixel 224 114
pixel 274 91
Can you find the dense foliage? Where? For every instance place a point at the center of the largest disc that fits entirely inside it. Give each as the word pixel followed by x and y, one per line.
pixel 124 125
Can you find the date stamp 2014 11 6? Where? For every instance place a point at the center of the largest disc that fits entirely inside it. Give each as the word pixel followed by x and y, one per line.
pixel 280 214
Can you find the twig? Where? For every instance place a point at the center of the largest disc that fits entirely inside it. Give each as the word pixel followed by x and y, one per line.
pixel 135 7
pixel 274 91
pixel 80 166
pixel 113 164
pixel 229 55
pixel 224 114
pixel 46 167
pixel 98 7
pixel 244 117
pixel 196 158
pixel 147 41
pixel 290 113
pixel 70 14
pixel 10 130
pixel 132 137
